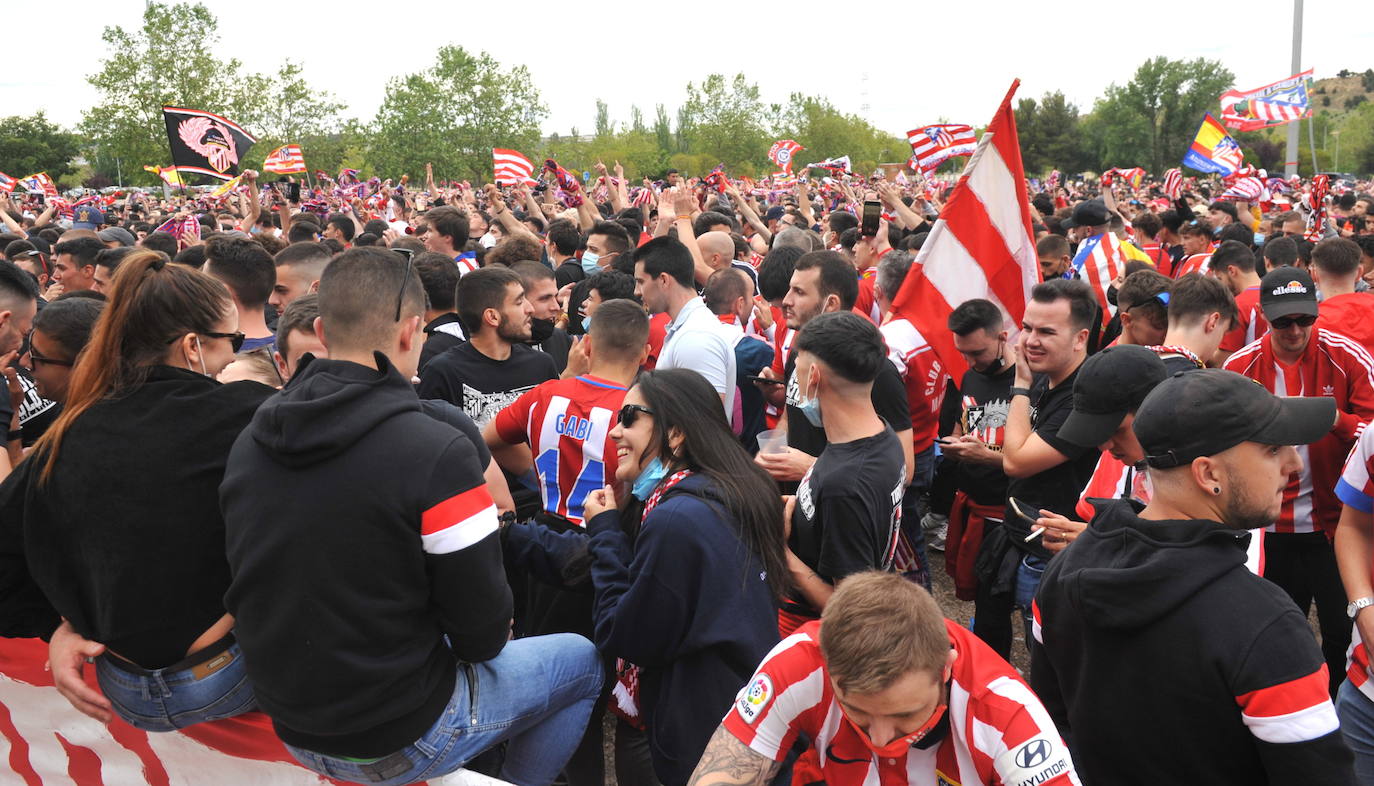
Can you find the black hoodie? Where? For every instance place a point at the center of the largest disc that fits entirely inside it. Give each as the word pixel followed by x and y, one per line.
pixel 360 533
pixel 1164 660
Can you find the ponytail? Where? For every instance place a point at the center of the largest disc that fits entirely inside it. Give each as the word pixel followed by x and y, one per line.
pixel 151 304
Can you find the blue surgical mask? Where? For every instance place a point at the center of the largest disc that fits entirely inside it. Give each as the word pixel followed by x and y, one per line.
pixel 586 324
pixel 589 260
pixel 1259 239
pixel 811 408
pixel 649 478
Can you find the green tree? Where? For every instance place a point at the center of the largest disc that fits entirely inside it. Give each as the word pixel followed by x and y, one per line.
pixel 452 114
pixel 35 144
pixel 724 119
pixel 167 61
pixel 1151 120
pixel 1051 134
pixel 828 133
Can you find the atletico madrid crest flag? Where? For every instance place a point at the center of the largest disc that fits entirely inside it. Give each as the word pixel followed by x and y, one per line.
pixel 781 153
pixel 285 160
pixel 7 183
pixel 1272 105
pixel 205 144
pixel 1213 150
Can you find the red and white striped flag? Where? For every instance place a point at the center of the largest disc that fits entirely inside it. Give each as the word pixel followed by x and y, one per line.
pixel 981 246
pixel 643 197
pixel 933 145
pixel 1099 261
pixel 511 168
pixel 1173 184
pixel 7 183
pixel 1247 189
pixel 285 160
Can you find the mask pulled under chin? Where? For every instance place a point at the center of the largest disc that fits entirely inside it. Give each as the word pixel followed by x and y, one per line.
pixel 540 330
pixel 898 747
pixel 649 478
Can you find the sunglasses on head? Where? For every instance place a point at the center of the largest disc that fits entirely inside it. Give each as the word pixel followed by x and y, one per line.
pixel 1161 298
pixel 630 413
pixel 1283 323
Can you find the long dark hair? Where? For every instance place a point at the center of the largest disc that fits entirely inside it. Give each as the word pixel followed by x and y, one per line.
pixel 151 304
pixel 683 399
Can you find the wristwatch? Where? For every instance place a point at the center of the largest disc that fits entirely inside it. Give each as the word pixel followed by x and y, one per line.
pixel 1357 604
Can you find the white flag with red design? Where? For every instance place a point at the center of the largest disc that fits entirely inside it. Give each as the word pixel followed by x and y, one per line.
pixel 981 247
pixel 285 160
pixel 511 168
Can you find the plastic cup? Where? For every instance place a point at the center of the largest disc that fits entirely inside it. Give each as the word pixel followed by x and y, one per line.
pixel 773 441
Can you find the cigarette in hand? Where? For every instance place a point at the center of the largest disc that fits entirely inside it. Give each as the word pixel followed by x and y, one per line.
pixel 1035 533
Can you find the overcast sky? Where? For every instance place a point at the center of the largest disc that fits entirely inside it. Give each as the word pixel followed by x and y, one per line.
pixel 911 63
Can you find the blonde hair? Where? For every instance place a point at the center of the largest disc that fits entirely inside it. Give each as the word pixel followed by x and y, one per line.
pixel 878 627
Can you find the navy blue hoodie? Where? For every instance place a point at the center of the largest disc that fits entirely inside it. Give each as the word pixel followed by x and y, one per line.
pixel 689 604
pixel 360 534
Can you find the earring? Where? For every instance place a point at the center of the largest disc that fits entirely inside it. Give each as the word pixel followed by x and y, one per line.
pixel 1216 489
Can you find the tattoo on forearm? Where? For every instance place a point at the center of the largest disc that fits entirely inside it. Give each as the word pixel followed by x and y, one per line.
pixel 729 762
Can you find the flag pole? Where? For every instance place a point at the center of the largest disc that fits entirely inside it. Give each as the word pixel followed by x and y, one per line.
pixel 1312 140
pixel 1290 160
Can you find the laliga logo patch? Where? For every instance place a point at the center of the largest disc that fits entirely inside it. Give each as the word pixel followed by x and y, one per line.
pixel 1035 762
pixel 1291 288
pixel 754 698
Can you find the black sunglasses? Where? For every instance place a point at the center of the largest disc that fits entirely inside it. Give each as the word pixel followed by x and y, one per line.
pixel 1283 323
pixel 36 359
pixel 630 413
pixel 410 263
pixel 235 339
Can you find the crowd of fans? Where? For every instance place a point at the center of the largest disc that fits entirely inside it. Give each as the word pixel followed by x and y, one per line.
pixel 436 478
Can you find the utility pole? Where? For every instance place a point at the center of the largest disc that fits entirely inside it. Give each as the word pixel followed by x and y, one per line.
pixel 1290 159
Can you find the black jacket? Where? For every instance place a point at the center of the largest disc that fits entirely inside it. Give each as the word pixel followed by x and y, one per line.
pixel 1164 660
pixel 360 534
pixel 690 605
pixel 126 539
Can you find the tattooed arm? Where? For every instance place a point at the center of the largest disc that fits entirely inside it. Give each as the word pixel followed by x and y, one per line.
pixel 729 762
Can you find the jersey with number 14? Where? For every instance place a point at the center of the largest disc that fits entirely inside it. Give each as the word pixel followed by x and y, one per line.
pixel 567 423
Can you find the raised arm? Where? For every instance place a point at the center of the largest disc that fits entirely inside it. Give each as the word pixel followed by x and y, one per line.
pixel 496 204
pixel 250 218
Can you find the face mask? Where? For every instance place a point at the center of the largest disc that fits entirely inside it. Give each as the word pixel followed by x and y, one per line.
pixel 811 408
pixel 1111 295
pixel 201 353
pixel 996 365
pixel 901 745
pixel 540 330
pixel 589 262
pixel 1259 239
pixel 586 324
pixel 649 478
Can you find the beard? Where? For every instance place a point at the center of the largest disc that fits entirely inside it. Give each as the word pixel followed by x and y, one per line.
pixel 512 331
pixel 1244 509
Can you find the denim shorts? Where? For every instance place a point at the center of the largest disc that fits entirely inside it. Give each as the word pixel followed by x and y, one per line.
pixel 210 685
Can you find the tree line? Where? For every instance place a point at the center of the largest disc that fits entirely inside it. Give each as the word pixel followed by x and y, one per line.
pixel 452 113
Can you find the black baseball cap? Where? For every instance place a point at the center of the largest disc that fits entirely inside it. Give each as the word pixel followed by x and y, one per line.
pixel 1285 291
pixel 1204 412
pixel 1087 214
pixel 1110 386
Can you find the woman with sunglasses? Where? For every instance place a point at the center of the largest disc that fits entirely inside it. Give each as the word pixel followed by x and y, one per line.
pixel 688 567
pixel 111 538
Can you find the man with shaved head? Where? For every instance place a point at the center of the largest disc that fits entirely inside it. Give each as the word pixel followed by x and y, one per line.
pixel 718 252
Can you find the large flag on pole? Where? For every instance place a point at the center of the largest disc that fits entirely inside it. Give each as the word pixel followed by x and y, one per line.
pixel 511 167
pixel 205 144
pixel 1272 105
pixel 931 146
pixel 1213 150
pixel 781 153
pixel 981 246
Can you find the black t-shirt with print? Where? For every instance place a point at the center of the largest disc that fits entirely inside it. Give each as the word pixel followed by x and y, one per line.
pixel 481 386
pixel 1057 488
pixel 986 399
pixel 848 509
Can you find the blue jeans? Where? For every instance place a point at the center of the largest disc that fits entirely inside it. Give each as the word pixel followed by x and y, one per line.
pixel 174 698
pixel 1356 712
pixel 1028 575
pixel 536 695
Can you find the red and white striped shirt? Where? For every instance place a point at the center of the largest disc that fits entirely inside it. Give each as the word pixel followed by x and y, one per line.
pixel 924 375
pixel 1356 489
pixel 567 423
pixel 999 731
pixel 1331 365
pixel 1250 322
pixel 1194 263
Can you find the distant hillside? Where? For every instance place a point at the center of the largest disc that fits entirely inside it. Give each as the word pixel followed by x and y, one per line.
pixel 1341 93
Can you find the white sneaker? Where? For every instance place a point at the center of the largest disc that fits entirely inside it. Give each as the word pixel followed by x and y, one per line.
pixel 936 527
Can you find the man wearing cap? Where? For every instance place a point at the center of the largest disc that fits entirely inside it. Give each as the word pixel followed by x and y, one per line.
pixel 88 217
pixel 1090 218
pixel 1294 359
pixel 1159 656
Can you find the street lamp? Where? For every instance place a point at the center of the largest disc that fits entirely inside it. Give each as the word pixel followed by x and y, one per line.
pixel 1336 161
